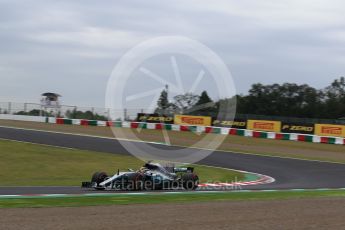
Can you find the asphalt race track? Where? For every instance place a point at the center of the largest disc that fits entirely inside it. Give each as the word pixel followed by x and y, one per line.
pixel 288 173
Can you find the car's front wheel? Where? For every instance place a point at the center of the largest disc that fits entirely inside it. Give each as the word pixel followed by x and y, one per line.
pixel 99 177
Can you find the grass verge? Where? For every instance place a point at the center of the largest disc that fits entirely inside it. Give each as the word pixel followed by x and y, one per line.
pixel 25 164
pixel 155 198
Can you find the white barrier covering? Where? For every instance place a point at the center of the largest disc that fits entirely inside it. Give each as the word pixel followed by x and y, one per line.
pixel 293 137
pixel 126 124
pixel 175 127
pixel 200 129
pixel 22 118
pixel 316 139
pixel 151 126
pixel 76 121
pixel 52 120
pixel 101 123
pixel 248 133
pixel 224 131
pixel 339 141
pixel 271 135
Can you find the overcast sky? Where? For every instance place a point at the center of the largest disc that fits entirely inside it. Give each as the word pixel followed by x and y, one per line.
pixel 71 47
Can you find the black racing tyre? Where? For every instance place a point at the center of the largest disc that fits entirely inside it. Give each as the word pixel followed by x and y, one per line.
pixel 99 177
pixel 190 181
pixel 135 182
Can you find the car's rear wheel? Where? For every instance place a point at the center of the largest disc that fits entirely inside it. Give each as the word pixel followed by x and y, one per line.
pixel 190 181
pixel 99 177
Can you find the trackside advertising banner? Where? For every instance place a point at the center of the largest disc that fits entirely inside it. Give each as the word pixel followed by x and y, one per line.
pixel 237 124
pixel 154 118
pixel 262 125
pixel 192 120
pixel 330 130
pixel 297 128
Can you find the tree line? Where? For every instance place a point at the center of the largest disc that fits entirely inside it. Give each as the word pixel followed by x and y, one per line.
pixel 287 99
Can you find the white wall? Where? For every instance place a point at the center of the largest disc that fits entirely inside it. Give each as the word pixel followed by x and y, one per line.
pixel 22 118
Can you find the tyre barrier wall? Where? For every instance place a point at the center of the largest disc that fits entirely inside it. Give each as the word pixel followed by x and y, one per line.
pixel 184 128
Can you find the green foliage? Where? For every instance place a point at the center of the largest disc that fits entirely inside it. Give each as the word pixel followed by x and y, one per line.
pixel 335 98
pixel 163 102
pixel 292 100
pixel 204 98
pixel 164 107
pixel 87 115
pixel 35 112
pixel 287 99
pixel 204 106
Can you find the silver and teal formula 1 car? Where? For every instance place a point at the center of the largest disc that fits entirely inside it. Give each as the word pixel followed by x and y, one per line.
pixel 152 176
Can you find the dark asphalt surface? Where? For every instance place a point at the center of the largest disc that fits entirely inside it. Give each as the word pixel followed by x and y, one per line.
pixel 288 173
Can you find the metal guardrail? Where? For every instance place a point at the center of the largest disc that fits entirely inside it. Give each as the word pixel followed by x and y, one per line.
pixel 37 109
